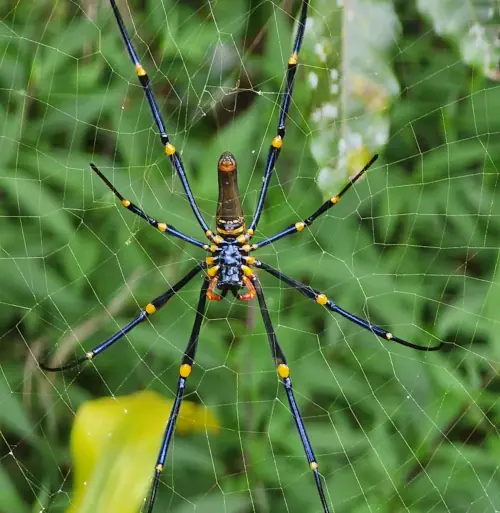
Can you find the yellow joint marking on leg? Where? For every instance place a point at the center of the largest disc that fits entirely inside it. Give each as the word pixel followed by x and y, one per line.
pixel 150 308
pixel 277 142
pixel 250 260
pixel 209 233
pixel 334 199
pixel 213 271
pixel 162 227
pixel 292 61
pixel 254 246
pixel 313 465
pixel 90 355
pixel 247 271
pixel 213 248
pixel 140 70
pixel 246 248
pixel 185 370
pixel 159 468
pixel 169 149
pixel 125 203
pixel 218 239
pixel 241 239
pixel 283 370
pixel 299 226
pixel 321 299
pixel 250 232
pixel 388 336
pixel 210 260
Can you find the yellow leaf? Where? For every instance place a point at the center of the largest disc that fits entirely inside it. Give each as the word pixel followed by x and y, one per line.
pixel 115 443
pixel 356 160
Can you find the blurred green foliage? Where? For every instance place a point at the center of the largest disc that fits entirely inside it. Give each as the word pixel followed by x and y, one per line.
pixel 414 247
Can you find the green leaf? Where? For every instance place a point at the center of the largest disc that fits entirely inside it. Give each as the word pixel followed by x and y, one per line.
pixel 9 498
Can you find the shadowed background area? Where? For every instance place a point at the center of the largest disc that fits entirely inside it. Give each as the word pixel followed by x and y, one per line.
pixel 413 247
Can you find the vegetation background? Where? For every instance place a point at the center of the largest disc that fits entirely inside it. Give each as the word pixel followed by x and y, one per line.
pixel 414 247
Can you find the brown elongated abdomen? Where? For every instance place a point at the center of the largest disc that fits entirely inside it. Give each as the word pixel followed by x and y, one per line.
pixel 230 220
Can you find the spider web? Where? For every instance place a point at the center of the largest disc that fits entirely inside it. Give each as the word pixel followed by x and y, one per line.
pixel 413 248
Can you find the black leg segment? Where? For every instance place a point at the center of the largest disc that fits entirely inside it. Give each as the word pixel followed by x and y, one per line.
pixel 284 373
pixel 321 299
pixel 277 142
pixel 327 205
pixel 162 227
pixel 169 148
pixel 148 310
pixel 184 372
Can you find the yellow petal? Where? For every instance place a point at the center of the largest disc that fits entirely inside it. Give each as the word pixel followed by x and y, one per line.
pixel 115 443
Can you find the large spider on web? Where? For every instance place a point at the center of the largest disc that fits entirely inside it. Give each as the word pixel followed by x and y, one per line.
pixel 229 266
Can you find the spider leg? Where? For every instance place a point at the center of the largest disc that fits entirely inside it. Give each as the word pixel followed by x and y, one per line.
pixel 162 227
pixel 247 296
pixel 170 150
pixel 298 227
pixel 184 372
pixel 284 373
pixel 333 307
pixel 148 310
pixel 277 142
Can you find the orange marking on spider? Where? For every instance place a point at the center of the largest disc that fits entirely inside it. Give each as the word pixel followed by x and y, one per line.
pixel 169 149
pixel 247 271
pixel 210 292
pixel 185 370
pixel 141 72
pixel 321 299
pixel 212 271
pixel 251 290
pixel 277 142
pixel 283 370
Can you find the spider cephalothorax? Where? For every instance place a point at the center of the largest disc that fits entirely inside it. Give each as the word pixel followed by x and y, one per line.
pixel 228 268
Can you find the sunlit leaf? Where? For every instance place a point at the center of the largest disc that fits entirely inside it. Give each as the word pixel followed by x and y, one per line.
pixel 472 26
pixel 346 65
pixel 114 444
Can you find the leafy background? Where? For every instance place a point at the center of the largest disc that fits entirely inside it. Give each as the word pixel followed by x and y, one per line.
pixel 414 247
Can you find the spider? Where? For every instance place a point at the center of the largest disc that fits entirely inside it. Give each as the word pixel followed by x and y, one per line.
pixel 229 266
